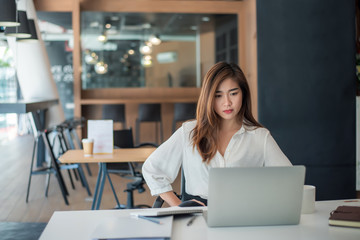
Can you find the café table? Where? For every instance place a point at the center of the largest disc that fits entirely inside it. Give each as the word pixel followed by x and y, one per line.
pixel 119 155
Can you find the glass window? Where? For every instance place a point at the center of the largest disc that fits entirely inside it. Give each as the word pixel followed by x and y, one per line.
pixel 152 49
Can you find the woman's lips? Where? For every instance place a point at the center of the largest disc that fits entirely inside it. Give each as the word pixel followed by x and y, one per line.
pixel 228 111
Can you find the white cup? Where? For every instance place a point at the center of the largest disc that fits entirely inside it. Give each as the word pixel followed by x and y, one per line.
pixel 308 202
pixel 88 146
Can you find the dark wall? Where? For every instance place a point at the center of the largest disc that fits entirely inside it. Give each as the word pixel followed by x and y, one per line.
pixel 306 81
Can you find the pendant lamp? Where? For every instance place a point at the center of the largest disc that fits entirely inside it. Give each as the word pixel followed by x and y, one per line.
pixel 21 31
pixel 8 13
pixel 33 33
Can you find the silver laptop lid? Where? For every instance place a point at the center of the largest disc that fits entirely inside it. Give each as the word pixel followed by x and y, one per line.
pixel 255 196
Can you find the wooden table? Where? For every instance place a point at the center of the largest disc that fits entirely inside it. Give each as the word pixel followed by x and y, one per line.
pixel 119 155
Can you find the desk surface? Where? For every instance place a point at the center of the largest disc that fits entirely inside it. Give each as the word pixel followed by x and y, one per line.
pixel 119 155
pixel 80 225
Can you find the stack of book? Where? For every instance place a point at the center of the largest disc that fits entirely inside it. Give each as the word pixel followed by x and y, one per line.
pixel 348 216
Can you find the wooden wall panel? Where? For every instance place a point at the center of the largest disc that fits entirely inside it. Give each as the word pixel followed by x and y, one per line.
pixel 161 6
pixel 54 5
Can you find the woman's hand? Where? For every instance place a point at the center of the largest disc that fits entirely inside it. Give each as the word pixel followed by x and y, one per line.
pixel 201 203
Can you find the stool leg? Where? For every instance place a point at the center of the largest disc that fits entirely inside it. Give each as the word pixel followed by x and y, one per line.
pixel 31 170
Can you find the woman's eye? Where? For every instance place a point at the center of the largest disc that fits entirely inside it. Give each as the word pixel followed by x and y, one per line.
pixel 217 96
pixel 234 93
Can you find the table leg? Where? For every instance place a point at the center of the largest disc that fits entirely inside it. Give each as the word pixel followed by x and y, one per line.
pixel 103 179
pixel 97 186
pixel 113 189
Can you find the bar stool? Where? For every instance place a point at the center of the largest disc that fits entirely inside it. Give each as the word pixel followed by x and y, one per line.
pixel 116 112
pixel 149 112
pixel 183 112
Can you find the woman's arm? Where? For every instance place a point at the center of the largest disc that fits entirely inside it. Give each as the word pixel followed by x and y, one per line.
pixel 162 166
pixel 170 198
pixel 273 154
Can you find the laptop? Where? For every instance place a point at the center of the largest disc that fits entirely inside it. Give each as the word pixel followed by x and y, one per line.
pixel 255 196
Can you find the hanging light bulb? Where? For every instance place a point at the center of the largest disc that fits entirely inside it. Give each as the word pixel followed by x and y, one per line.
pixel 102 38
pixel 145 49
pixel 91 58
pixel 146 61
pixel 155 40
pixel 101 67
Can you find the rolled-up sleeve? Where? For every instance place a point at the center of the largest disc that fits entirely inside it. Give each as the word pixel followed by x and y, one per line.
pixel 162 166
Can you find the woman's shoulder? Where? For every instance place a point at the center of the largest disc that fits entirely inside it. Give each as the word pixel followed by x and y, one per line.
pixel 256 130
pixel 189 125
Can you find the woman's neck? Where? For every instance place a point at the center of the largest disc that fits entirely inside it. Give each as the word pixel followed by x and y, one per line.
pixel 227 125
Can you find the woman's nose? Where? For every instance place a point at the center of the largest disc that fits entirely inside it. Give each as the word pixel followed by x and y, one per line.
pixel 227 101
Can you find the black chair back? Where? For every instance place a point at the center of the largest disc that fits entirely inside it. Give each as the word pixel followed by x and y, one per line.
pixel 124 138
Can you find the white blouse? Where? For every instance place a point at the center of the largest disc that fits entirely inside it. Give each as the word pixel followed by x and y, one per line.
pixel 248 147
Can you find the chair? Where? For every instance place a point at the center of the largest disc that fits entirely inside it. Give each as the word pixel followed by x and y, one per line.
pixel 149 113
pixel 183 112
pixel 58 146
pixel 61 143
pixel 116 112
pixel 72 137
pixel 124 139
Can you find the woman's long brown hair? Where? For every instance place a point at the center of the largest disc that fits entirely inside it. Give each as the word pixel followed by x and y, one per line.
pixel 204 136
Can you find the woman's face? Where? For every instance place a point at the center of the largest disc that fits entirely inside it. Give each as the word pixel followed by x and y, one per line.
pixel 228 99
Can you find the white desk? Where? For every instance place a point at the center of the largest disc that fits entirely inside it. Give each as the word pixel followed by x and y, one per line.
pixel 80 225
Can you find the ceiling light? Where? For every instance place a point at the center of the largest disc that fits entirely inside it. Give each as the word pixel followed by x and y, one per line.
pixel 108 26
pixel 33 33
pixel 91 58
pixel 155 40
pixel 146 61
pixel 101 68
pixel 21 31
pixel 8 13
pixel 102 38
pixel 94 24
pixel 114 18
pixel 131 52
pixel 145 49
pixel 146 26
pixel 205 19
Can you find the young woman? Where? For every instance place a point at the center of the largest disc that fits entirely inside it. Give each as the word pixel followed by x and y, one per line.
pixel 224 134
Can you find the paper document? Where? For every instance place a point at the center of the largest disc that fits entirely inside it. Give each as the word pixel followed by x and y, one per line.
pixel 102 133
pixel 130 227
pixel 169 211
